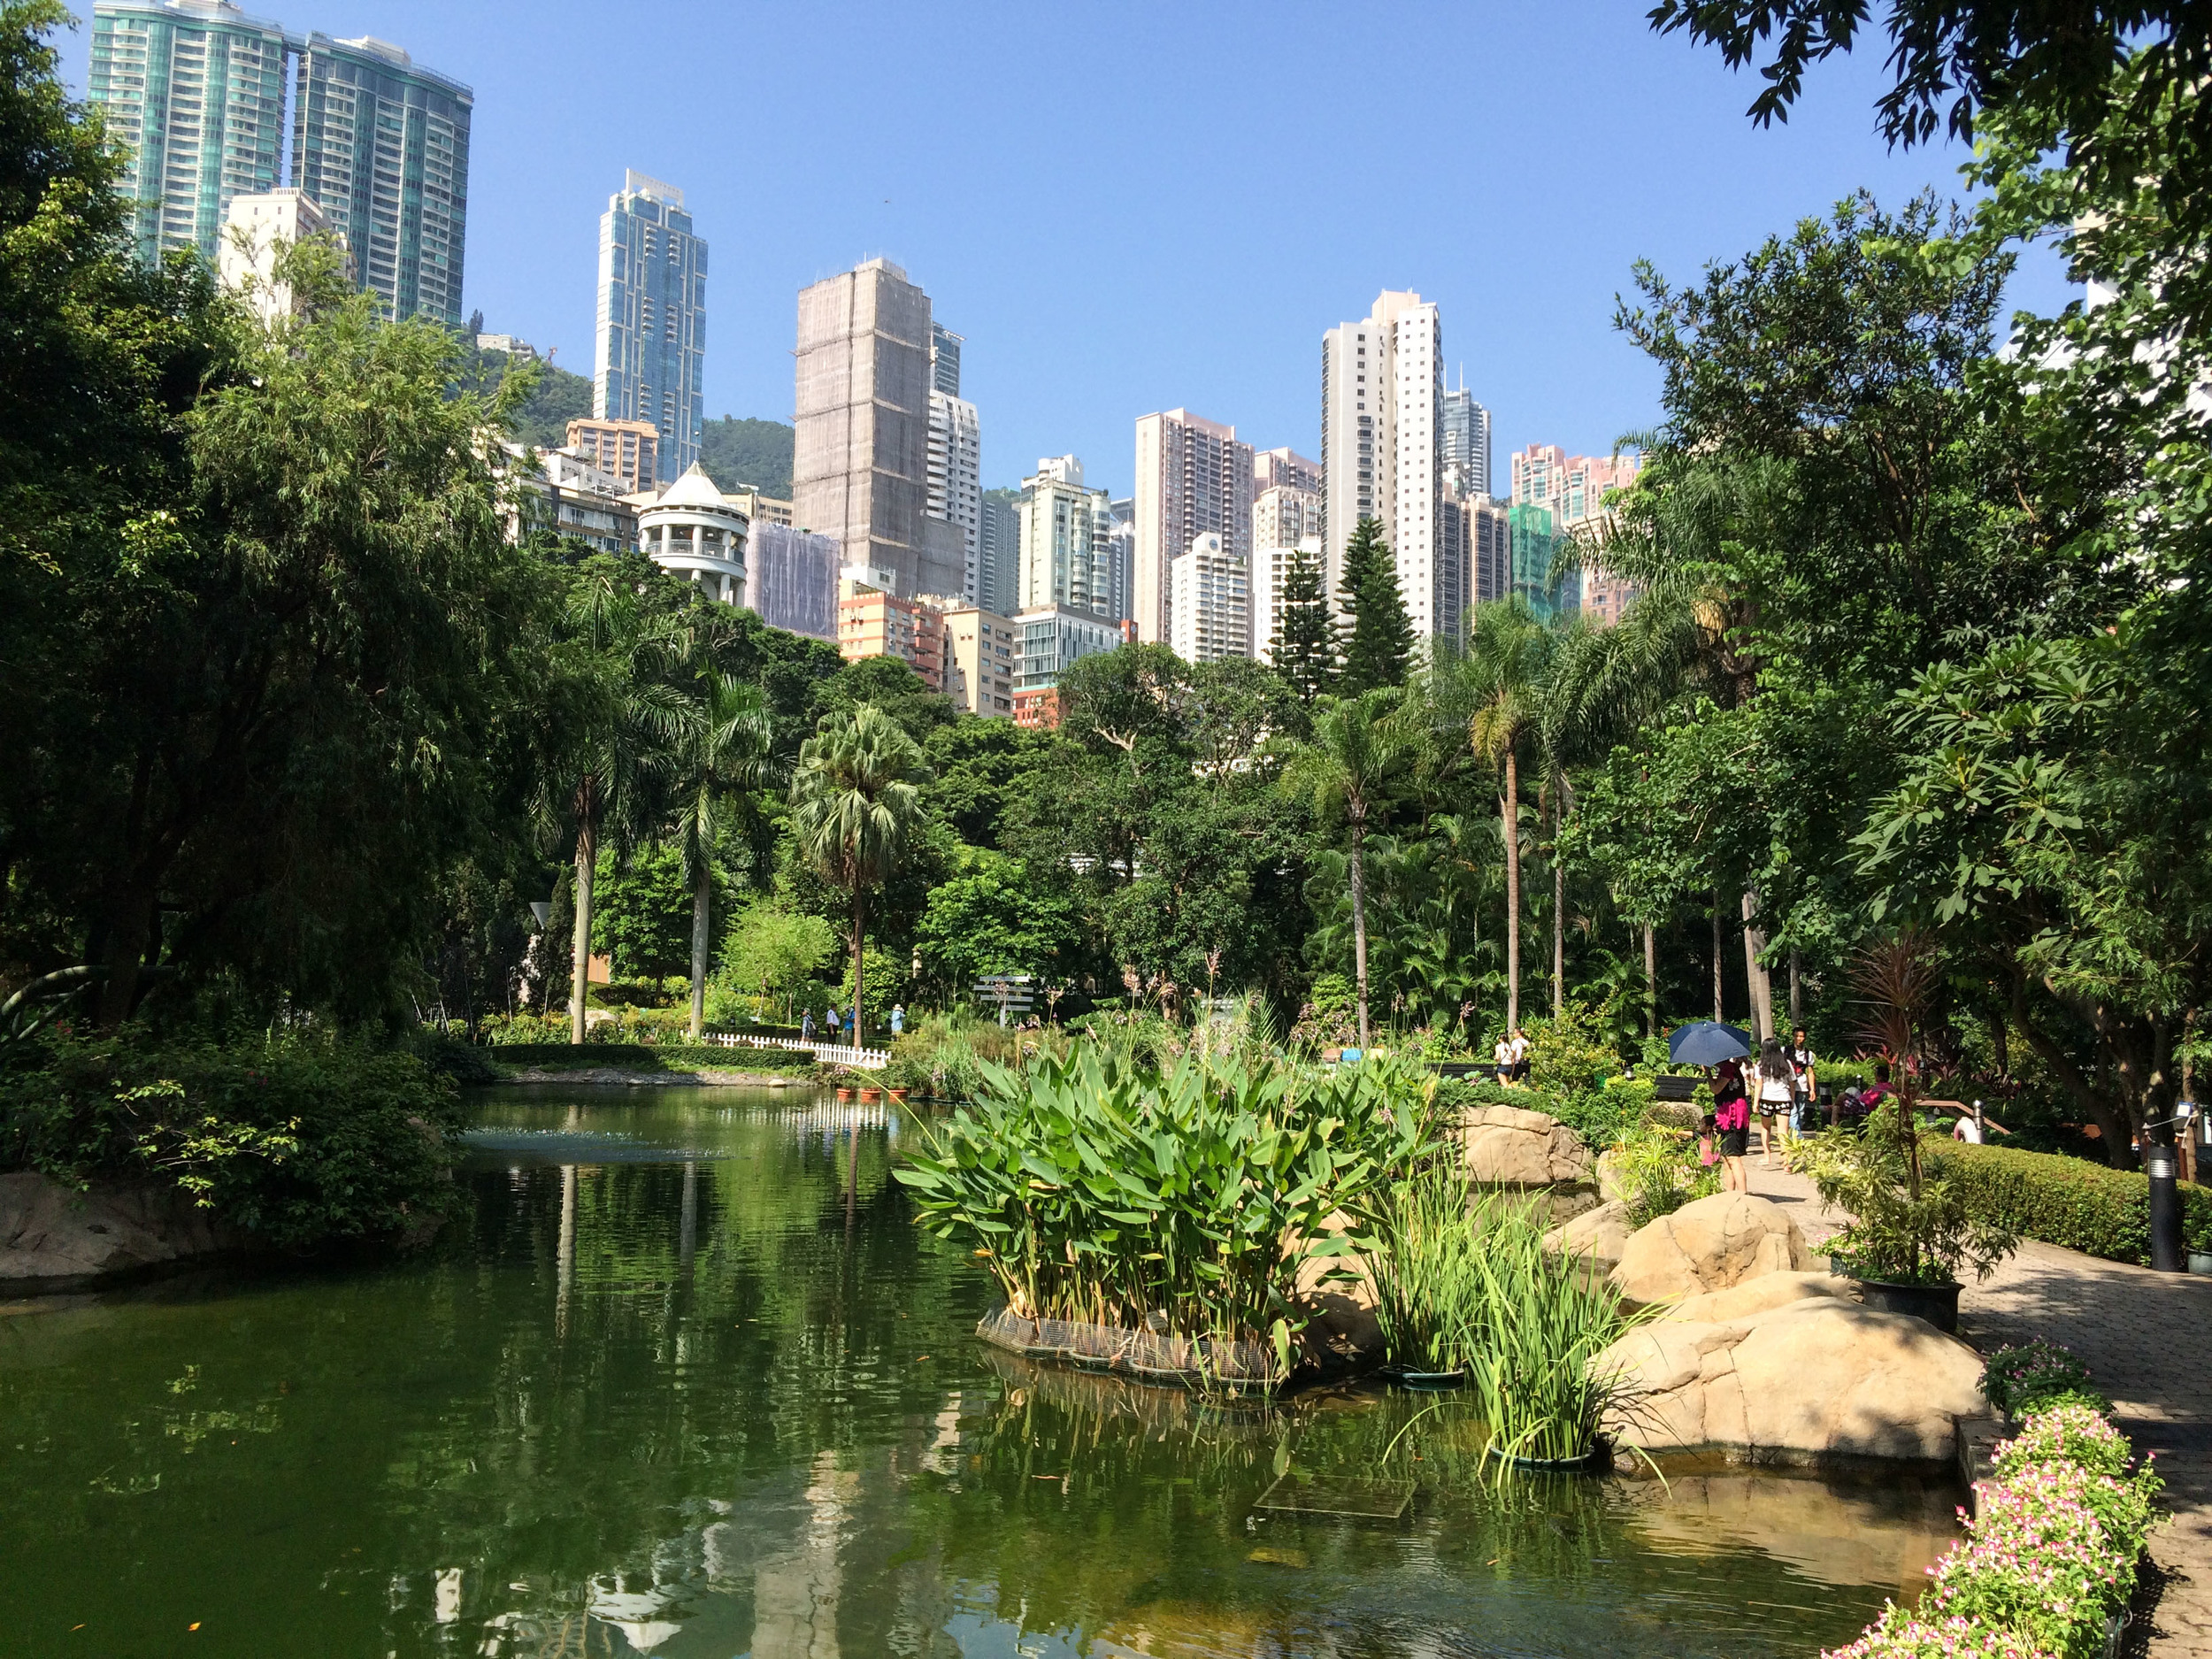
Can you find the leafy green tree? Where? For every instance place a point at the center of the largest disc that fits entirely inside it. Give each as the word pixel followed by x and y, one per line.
pixel 1377 639
pixel 1304 649
pixel 980 769
pixel 856 806
pixel 641 912
pixel 1358 747
pixel 889 684
pixel 993 918
pixel 619 724
pixel 770 950
pixel 727 762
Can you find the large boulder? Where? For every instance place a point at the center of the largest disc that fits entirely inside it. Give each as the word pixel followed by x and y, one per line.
pixel 1337 1295
pixel 53 1237
pixel 1595 1238
pixel 1711 1244
pixel 1818 1379
pixel 1756 1296
pixel 1531 1152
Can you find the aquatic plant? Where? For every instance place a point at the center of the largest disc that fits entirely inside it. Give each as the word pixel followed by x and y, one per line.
pixel 1658 1172
pixel 1429 1288
pixel 1102 1191
pixel 1534 1369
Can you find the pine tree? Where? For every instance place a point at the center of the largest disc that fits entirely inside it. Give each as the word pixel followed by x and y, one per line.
pixel 1378 643
pixel 1304 648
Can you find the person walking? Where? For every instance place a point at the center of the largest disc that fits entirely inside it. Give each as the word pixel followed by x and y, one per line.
pixel 898 1019
pixel 1520 1046
pixel 1774 1087
pixel 1806 1112
pixel 1731 1121
pixel 806 1026
pixel 834 1024
pixel 1501 1057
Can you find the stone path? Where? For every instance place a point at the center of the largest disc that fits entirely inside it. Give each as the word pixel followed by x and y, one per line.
pixel 2147 1338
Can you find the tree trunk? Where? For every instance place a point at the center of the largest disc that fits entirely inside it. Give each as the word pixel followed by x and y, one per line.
pixel 1558 918
pixel 1509 813
pixel 586 866
pixel 1761 986
pixel 130 920
pixel 701 904
pixel 1797 1000
pixel 1359 923
pixel 1651 980
pixel 858 967
pixel 1719 936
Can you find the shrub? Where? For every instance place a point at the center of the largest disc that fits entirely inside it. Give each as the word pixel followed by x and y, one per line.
pixel 2017 1380
pixel 1658 1172
pixel 2072 1202
pixel 1902 1635
pixel 300 1141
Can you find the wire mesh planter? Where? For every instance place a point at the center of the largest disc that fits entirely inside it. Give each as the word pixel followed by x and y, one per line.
pixel 1154 1356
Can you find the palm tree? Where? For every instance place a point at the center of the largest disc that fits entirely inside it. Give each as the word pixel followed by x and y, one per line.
pixel 1498 687
pixel 855 807
pixel 1358 745
pixel 728 761
pixel 618 722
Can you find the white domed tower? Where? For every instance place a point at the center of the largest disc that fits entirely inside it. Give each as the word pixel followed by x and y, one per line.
pixel 693 531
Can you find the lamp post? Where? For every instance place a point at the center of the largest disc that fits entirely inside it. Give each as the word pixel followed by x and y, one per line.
pixel 2158 1164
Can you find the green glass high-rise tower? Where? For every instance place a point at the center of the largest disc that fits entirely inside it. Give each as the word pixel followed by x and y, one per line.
pixel 195 90
pixel 381 145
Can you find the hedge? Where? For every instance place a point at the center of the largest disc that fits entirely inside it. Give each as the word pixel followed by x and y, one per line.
pixel 648 1056
pixel 2072 1202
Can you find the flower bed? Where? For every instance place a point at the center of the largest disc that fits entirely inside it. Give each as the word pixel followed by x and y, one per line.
pixel 2047 1562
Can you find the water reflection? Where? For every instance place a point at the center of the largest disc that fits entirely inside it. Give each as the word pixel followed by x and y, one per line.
pixel 694 1385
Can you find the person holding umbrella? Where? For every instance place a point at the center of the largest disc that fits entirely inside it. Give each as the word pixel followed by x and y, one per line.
pixel 1708 1043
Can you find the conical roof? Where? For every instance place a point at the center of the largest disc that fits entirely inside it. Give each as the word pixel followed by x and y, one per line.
pixel 694 488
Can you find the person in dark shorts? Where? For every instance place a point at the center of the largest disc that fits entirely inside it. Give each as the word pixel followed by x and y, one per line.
pixel 1731 1121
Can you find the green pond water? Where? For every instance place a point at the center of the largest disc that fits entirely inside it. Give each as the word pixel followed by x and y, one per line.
pixel 683 1379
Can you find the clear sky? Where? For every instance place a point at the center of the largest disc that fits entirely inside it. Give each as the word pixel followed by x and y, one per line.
pixel 1131 207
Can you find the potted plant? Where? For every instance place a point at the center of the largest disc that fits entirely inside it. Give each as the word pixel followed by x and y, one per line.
pixel 1910 1234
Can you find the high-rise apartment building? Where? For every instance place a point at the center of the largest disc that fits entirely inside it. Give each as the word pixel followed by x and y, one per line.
pixel 956 480
pixel 630 449
pixel 1193 479
pixel 1209 601
pixel 1573 488
pixel 944 359
pixel 1489 550
pixel 1121 565
pixel 1284 516
pixel 195 91
pixel 256 228
pixel 1533 542
pixel 1066 529
pixel 860 467
pixel 382 145
pixel 648 360
pixel 998 552
pixel 1466 445
pixel 1284 469
pixel 1382 410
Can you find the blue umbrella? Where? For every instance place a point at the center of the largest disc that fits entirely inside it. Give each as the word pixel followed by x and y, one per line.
pixel 1707 1042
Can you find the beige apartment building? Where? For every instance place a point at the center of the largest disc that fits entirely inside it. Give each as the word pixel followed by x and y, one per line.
pixel 860 467
pixel 630 449
pixel 979 650
pixel 1193 479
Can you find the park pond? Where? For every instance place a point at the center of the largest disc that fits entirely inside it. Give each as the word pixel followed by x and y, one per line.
pixel 682 1378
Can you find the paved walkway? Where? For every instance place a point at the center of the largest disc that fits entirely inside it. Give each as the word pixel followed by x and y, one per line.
pixel 2147 1339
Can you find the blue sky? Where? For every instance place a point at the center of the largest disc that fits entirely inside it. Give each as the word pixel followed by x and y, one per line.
pixel 1128 207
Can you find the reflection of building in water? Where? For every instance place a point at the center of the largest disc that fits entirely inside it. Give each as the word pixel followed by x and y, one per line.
pixel 794 1594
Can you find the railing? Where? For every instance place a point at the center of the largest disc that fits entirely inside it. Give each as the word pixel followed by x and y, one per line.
pixel 826 1053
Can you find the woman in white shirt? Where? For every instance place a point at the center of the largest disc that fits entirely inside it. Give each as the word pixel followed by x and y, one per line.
pixel 1774 1091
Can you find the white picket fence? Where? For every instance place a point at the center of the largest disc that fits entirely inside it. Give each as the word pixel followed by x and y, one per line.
pixel 827 1053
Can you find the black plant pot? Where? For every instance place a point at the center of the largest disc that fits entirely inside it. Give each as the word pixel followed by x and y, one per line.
pixel 1938 1304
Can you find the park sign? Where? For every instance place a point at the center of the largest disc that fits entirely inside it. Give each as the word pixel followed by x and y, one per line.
pixel 1007 992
